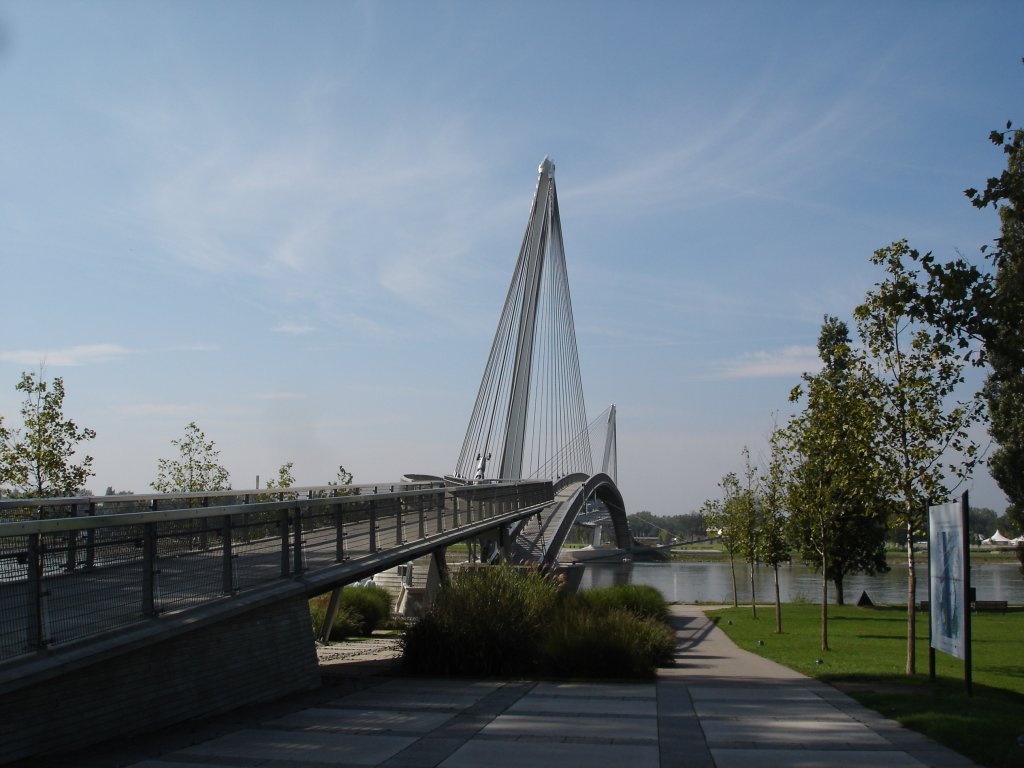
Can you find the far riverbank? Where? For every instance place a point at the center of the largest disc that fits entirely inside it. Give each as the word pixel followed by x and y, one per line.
pixel 711 582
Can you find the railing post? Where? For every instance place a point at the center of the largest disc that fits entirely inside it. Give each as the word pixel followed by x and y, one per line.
pixel 455 511
pixel 204 543
pixel 283 525
pixel 149 606
pixel 34 618
pixel 339 528
pixel 298 541
pixel 399 528
pixel 90 539
pixel 439 503
pixel 227 581
pixel 373 526
pixel 422 506
pixel 72 541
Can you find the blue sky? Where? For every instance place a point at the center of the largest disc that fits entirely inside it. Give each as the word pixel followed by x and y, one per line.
pixel 295 223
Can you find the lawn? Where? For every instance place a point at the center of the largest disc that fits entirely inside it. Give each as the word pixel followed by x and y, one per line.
pixel 867 657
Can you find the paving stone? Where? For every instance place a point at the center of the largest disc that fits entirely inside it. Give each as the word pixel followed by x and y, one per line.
pixel 511 754
pixel 587 726
pixel 807 758
pixel 364 720
pixel 316 747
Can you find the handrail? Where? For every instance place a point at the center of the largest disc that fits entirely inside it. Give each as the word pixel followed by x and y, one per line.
pixel 68 579
pixel 64 524
pixel 130 498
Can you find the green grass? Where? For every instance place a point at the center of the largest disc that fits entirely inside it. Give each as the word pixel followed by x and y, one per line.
pixel 867 658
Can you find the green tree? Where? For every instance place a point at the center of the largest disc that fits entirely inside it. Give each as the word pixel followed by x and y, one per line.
pixel 981 306
pixel 285 479
pixel 197 467
pixel 981 524
pixel 717 513
pixel 923 431
pixel 1003 334
pixel 747 517
pixel 774 545
pixel 38 461
pixel 829 455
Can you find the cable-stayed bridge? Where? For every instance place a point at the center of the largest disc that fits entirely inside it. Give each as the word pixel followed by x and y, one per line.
pixel 196 603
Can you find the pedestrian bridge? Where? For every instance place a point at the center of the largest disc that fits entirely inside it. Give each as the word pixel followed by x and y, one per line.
pixel 197 603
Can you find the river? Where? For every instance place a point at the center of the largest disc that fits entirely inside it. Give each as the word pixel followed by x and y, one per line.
pixel 710 582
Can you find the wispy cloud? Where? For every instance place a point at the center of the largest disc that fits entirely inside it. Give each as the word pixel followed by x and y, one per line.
pixel 158 409
pixel 279 396
pixel 790 361
pixel 195 348
pixel 84 354
pixel 296 329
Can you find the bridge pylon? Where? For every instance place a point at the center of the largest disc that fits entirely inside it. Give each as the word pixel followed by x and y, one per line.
pixel 529 419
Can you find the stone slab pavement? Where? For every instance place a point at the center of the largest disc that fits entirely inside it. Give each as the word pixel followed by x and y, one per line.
pixel 717 707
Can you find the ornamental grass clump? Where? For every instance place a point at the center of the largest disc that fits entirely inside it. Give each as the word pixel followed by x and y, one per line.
pixel 504 621
pixel 639 599
pixel 486 621
pixel 590 640
pixel 371 603
pixel 360 611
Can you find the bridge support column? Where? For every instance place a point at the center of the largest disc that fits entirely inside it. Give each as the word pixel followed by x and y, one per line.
pixel 331 615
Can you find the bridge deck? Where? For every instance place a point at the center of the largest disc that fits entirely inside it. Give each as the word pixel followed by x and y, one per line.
pixel 72 580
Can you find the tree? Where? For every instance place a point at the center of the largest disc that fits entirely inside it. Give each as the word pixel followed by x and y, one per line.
pixel 717 514
pixel 981 523
pixel 917 371
pixel 344 477
pixel 829 457
pixel 285 479
pixel 1004 333
pixel 746 516
pixel 982 306
pixel 197 467
pixel 774 546
pixel 39 461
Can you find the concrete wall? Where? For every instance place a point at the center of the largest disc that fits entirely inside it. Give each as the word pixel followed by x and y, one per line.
pixel 167 672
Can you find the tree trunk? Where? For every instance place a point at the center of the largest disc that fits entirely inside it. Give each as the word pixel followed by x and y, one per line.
pixel 824 606
pixel 735 596
pixel 753 593
pixel 778 603
pixel 911 606
pixel 840 599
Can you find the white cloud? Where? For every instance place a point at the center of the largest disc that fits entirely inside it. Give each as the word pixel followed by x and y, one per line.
pixel 157 409
pixel 791 361
pixel 279 396
pixel 294 328
pixel 84 354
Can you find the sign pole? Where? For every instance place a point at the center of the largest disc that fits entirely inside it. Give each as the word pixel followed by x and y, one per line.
pixel 965 513
pixel 931 603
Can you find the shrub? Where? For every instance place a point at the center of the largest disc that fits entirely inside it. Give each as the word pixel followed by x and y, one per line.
pixel 486 621
pixel 639 599
pixel 371 603
pixel 503 621
pixel 360 611
pixel 584 640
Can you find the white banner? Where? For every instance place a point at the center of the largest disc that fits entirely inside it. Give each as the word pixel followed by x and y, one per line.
pixel 948 613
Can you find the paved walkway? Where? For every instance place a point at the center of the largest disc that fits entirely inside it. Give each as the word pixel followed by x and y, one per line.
pixel 718 707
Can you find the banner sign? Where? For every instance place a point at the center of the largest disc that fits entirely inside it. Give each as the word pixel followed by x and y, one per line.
pixel 948 613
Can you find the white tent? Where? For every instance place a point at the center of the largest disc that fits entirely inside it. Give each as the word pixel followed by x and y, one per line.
pixel 998 539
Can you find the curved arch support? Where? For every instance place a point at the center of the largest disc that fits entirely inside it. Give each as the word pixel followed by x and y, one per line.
pixel 541 541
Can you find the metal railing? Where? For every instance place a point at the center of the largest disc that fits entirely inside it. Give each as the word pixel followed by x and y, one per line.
pixel 70 578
